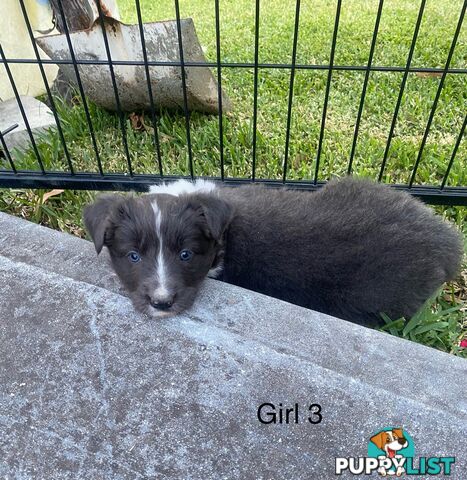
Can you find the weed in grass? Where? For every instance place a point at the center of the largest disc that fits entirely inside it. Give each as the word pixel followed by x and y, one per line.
pixel 441 324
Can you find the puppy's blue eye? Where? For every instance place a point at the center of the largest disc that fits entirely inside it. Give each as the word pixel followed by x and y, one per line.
pixel 186 255
pixel 134 257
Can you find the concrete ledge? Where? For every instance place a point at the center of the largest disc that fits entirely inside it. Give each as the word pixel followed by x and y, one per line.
pixel 91 389
pixel 40 120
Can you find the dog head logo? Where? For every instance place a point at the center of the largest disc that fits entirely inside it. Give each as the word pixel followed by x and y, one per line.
pixel 390 441
pixel 394 445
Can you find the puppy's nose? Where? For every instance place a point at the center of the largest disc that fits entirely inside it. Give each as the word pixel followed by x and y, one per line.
pixel 163 303
pixel 401 440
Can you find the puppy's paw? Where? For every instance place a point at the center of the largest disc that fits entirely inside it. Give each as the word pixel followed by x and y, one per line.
pixel 382 471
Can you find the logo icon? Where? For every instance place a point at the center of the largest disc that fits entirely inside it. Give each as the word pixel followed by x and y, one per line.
pixel 391 444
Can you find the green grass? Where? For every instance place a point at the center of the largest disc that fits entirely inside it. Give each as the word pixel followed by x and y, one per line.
pixel 441 323
pixel 434 327
pixel 276 33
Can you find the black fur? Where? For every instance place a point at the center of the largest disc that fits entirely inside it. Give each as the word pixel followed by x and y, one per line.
pixel 353 249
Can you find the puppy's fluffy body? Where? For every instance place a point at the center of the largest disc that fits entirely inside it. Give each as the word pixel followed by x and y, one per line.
pixel 353 249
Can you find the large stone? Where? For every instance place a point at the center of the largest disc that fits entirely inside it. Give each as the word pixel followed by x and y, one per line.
pixel 40 119
pixel 90 389
pixel 124 41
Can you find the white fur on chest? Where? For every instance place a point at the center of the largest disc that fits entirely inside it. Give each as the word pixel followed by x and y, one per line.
pixel 183 187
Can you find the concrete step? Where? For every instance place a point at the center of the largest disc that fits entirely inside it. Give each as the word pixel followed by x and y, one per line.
pixel 40 119
pixel 91 389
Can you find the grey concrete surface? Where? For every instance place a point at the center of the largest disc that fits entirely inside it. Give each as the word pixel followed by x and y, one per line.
pixel 40 119
pixel 90 389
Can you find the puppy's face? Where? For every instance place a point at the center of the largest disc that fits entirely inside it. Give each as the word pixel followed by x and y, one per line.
pixel 161 246
pixel 390 441
pixel 395 442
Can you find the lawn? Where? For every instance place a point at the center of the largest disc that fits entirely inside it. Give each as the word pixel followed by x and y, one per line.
pixel 237 19
pixel 275 46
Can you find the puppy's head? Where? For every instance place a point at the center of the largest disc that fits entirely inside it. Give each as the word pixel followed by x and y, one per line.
pixel 390 441
pixel 161 246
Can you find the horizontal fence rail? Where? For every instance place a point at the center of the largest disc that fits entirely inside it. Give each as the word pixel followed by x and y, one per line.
pixel 13 176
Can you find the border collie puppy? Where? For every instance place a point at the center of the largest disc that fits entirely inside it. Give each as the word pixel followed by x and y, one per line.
pixel 353 249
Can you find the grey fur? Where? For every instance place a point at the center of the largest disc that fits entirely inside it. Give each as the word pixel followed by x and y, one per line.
pixel 353 249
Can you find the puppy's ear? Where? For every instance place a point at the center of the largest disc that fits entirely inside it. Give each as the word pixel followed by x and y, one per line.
pixel 218 214
pixel 379 440
pixel 97 218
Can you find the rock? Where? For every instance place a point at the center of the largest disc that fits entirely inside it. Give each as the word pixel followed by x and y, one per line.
pixel 161 40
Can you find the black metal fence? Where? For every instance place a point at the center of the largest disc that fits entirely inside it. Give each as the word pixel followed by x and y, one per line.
pixel 12 176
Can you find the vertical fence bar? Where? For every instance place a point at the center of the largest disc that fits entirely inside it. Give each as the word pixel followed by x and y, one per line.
pixel 438 94
pixel 328 88
pixel 115 88
pixel 365 85
pixel 148 79
pixel 5 146
pixel 291 87
pixel 185 97
pixel 21 108
pixel 454 152
pixel 47 87
pixel 80 87
pixel 402 88
pixel 255 90
pixel 219 87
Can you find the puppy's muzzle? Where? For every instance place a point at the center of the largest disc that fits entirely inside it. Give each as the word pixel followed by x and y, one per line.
pixel 162 302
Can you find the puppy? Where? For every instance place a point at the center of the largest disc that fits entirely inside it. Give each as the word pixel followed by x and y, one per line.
pixel 390 442
pixel 353 249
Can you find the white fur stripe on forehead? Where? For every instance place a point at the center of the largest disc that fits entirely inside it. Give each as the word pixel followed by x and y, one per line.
pixel 181 187
pixel 161 290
